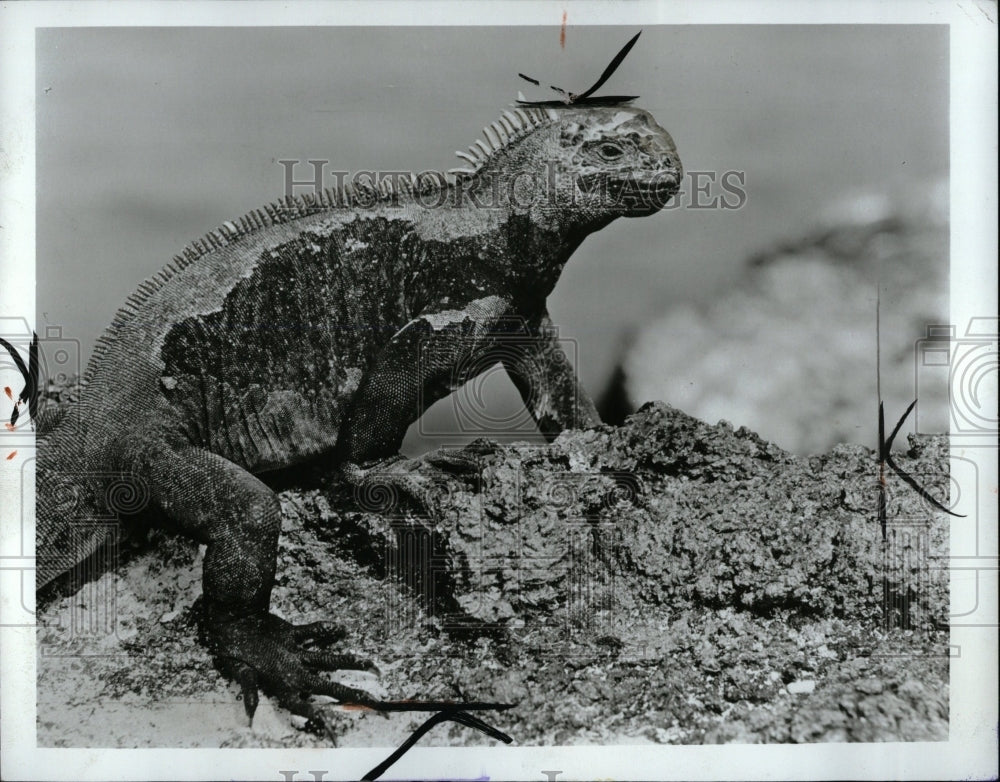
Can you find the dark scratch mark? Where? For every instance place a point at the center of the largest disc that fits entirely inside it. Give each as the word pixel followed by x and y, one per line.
pixel 585 98
pixel 29 373
pixel 455 712
pixel 885 458
pixel 885 445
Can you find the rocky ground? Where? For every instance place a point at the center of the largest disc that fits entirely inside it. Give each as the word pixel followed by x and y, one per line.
pixel 663 581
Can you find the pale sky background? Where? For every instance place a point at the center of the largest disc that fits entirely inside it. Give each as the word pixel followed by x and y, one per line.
pixel 148 138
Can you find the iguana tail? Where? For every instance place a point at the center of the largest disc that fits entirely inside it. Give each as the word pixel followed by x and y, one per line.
pixel 71 515
pixel 74 511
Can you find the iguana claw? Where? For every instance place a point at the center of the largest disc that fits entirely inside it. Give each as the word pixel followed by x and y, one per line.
pixel 331 661
pixel 266 652
pixel 248 689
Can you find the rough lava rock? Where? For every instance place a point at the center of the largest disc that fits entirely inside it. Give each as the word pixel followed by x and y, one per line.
pixel 664 581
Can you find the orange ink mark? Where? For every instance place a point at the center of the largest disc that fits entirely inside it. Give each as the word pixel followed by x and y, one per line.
pixel 355 707
pixel 562 32
pixel 11 455
pixel 8 392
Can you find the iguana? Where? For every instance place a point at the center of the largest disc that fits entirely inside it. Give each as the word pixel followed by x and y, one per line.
pixel 318 329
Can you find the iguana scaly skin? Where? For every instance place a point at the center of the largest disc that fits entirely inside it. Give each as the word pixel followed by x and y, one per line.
pixel 321 328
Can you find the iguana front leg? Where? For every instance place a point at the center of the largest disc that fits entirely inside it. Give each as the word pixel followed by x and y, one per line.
pixel 541 372
pixel 423 362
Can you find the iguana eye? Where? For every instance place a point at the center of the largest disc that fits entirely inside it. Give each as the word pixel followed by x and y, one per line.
pixel 610 151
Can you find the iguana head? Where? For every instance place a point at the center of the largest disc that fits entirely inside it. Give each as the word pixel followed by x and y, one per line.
pixel 576 166
pixel 614 161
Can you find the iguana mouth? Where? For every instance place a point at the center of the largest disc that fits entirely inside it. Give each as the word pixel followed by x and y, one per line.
pixel 639 197
pixel 632 195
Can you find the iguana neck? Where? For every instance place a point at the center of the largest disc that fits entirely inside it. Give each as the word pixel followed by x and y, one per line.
pixel 526 206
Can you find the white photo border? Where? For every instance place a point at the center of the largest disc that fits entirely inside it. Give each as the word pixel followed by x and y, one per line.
pixel 971 749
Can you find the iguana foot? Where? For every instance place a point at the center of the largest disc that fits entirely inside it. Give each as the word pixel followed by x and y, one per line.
pixel 461 461
pixel 262 651
pixel 382 486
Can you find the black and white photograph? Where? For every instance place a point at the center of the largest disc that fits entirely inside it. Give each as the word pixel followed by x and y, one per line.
pixel 509 391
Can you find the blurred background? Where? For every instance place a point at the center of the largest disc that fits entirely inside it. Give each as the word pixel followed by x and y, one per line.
pixel 763 315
